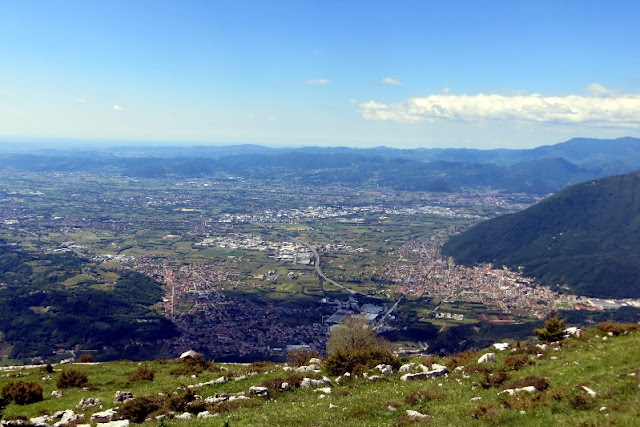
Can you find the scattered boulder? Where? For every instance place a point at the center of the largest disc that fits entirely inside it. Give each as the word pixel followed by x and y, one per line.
pixel 438 371
pixel 437 367
pixel 416 414
pixel 406 367
pixel 67 417
pixel 184 416
pixel 487 358
pixel 206 414
pixel 56 394
pixel 87 402
pixel 385 370
pixel 376 377
pixel 589 391
pixel 223 397
pixel 104 415
pixel 314 361
pixel 572 332
pixel 259 391
pixel 117 423
pixel 343 377
pixel 285 386
pixel 513 391
pixel 501 346
pixel 190 353
pixel 310 382
pixel 411 377
pixel 221 380
pixel 307 368
pixel 40 421
pixel 122 396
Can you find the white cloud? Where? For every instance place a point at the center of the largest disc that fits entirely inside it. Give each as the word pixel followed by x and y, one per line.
pixel 317 81
pixel 117 108
pixel 391 81
pixel 81 100
pixel 601 108
pixel 596 89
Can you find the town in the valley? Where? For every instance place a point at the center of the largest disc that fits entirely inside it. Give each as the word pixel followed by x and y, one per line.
pixel 251 271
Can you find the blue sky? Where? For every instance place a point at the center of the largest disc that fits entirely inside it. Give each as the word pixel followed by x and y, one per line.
pixel 361 73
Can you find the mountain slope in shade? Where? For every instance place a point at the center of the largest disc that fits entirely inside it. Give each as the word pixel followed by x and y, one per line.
pixel 586 236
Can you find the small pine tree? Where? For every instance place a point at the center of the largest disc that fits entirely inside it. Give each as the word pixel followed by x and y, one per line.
pixel 552 331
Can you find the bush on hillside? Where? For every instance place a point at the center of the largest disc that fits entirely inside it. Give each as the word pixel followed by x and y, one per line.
pixel 301 357
pixel 138 408
pixel 515 362
pixel 552 331
pixel 142 373
pixel 22 392
pixel 495 379
pixel 192 366
pixel 616 328
pixel 355 333
pixel 85 358
pixel 70 378
pixel 540 383
pixel 357 360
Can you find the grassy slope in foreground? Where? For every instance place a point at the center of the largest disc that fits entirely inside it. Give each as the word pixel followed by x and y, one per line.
pixel 585 236
pixel 608 366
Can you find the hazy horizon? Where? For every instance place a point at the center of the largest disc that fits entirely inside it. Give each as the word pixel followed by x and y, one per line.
pixel 285 73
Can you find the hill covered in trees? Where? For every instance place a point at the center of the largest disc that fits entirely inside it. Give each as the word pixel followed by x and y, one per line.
pixel 59 301
pixel 585 236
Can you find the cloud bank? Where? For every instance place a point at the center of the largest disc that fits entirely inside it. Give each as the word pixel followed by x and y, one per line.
pixel 600 108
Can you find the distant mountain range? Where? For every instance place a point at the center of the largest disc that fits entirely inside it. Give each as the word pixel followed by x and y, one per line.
pixel 540 170
pixel 586 236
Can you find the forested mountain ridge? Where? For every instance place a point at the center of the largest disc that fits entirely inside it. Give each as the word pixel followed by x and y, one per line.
pixel 542 170
pixel 585 236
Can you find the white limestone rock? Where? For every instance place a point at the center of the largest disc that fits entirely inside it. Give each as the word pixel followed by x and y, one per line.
pixel 385 370
pixel 487 358
pixel 259 391
pixel 406 367
pixel 501 346
pixel 190 353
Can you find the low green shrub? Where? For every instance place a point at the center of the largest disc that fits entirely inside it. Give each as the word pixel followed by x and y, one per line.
pixel 301 357
pixel 516 362
pixel 616 328
pixel 192 366
pixel 495 379
pixel 85 358
pixel 540 383
pixel 70 378
pixel 22 392
pixel 358 360
pixel 139 408
pixel 142 373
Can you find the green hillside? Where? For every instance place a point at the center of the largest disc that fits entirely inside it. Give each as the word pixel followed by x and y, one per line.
pixel 53 301
pixel 588 380
pixel 585 236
